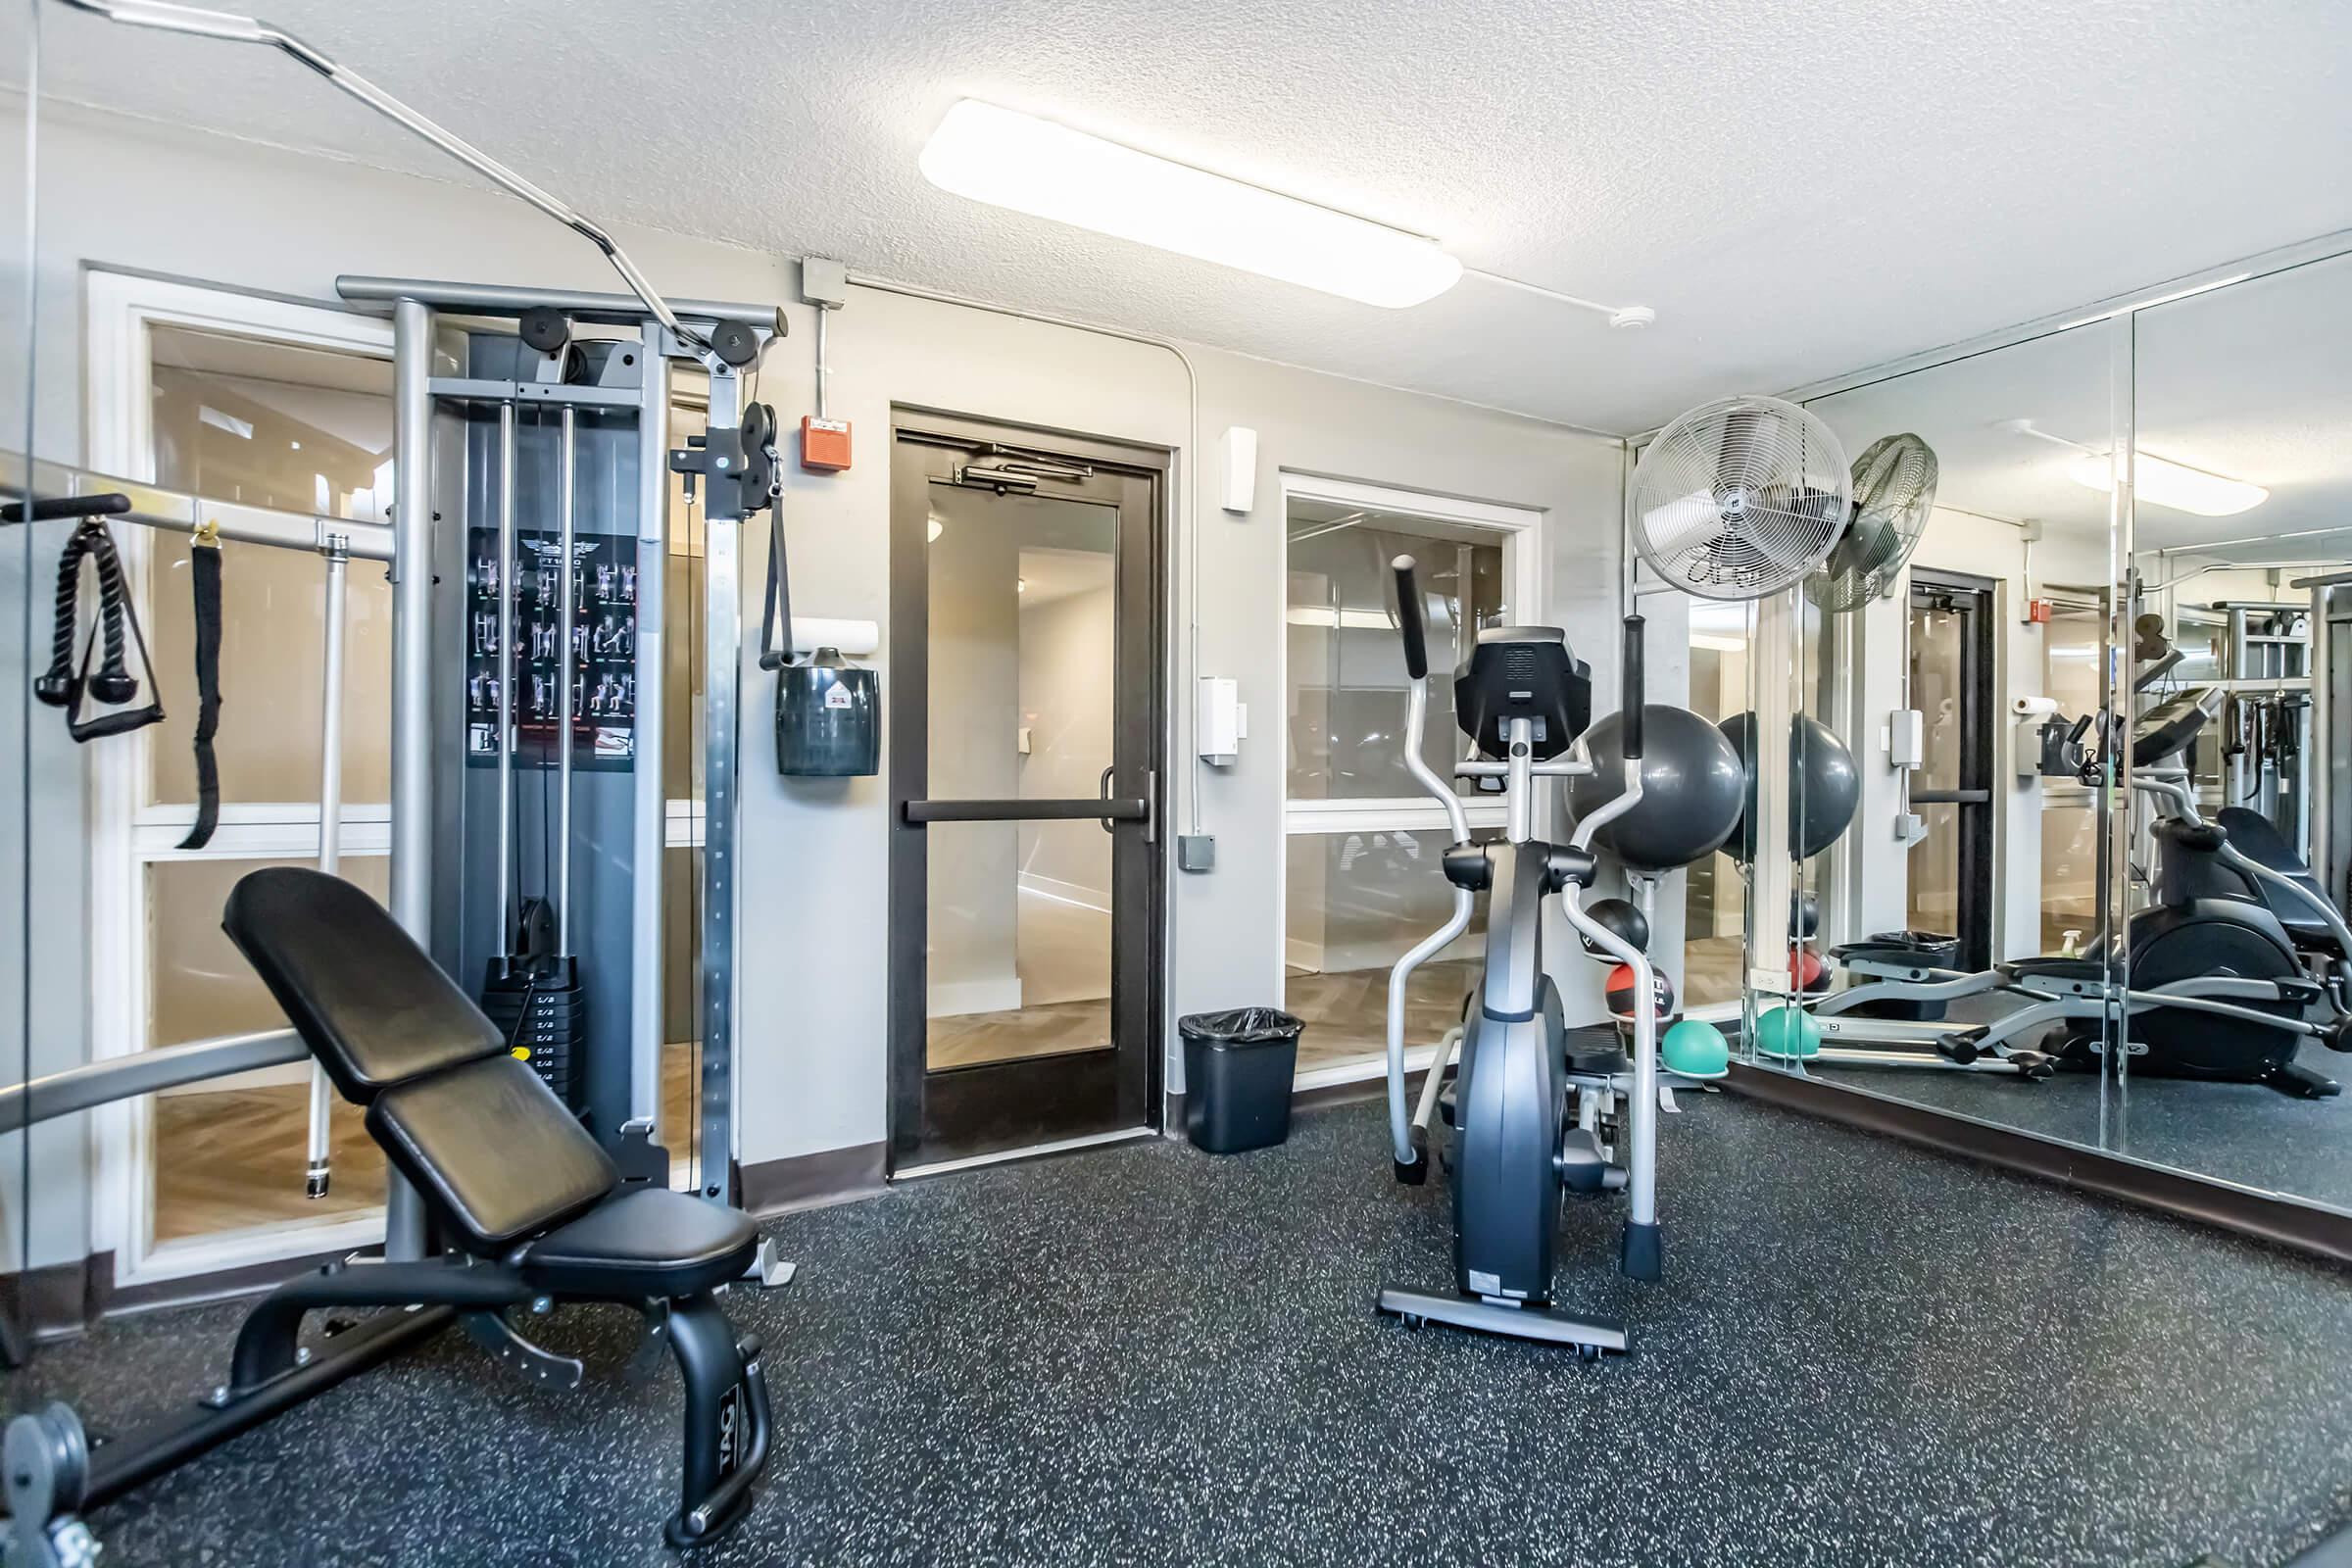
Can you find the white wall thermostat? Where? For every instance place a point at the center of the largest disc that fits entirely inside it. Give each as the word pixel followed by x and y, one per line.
pixel 1220 721
pixel 1239 449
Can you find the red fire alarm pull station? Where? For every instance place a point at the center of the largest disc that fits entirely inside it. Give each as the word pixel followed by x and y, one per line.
pixel 824 444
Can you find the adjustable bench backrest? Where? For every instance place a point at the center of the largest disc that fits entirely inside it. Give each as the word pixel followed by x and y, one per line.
pixel 489 1145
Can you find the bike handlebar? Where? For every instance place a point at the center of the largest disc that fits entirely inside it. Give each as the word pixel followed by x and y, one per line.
pixel 1408 619
pixel 1633 703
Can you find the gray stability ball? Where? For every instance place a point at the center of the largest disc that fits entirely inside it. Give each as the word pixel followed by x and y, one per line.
pixel 1692 789
pixel 1824 788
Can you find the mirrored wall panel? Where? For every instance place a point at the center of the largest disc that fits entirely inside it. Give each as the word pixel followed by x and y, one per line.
pixel 2242 519
pixel 2066 806
pixel 1942 680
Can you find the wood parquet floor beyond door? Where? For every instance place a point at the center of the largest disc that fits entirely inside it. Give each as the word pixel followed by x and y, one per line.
pixel 234 1160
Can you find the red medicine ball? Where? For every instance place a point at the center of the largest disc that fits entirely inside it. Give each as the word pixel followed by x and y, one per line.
pixel 1620 993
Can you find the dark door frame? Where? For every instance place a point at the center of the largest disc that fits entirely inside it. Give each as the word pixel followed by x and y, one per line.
pixel 1005 1106
pixel 1972 794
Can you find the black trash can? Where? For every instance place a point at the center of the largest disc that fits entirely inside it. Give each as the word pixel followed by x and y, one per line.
pixel 1237 1068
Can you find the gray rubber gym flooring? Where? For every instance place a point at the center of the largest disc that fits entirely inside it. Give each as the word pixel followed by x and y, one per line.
pixel 1862 1354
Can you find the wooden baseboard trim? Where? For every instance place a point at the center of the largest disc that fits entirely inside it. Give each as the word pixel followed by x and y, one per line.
pixel 57 1299
pixel 2262 1217
pixel 812 1181
pixel 251 1280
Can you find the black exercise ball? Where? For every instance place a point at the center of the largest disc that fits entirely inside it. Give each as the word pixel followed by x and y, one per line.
pixel 1621 919
pixel 1822 779
pixel 1691 783
pixel 1804 915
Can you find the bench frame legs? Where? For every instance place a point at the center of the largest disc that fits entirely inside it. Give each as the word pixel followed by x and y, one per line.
pixel 728 1425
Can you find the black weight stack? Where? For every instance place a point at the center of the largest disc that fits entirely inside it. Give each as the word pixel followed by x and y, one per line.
pixel 543 1013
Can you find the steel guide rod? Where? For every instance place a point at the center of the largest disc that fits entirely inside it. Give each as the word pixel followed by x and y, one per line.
pixel 412 902
pixel 567 551
pixel 330 837
pixel 653 786
pixel 505 676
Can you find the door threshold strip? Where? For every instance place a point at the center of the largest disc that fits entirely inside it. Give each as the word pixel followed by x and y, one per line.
pixel 1032 1152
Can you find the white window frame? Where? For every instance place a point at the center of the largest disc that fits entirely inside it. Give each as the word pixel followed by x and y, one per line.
pixel 128 834
pixel 1522 533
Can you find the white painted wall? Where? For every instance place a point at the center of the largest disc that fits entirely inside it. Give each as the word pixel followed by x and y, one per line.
pixel 812 1069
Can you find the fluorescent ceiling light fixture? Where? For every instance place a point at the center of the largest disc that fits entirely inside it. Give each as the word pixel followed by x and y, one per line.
pixel 2172 484
pixel 2155 479
pixel 1034 165
pixel 242 430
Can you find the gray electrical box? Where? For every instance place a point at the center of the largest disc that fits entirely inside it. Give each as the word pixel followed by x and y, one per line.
pixel 824 282
pixel 1195 852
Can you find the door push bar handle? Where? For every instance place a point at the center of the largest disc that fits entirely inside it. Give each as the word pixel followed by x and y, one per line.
pixel 1106 809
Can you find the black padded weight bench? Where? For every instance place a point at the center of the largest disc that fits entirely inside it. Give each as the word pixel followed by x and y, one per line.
pixel 535 1211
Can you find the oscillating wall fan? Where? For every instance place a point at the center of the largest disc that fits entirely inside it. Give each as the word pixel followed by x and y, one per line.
pixel 1739 498
pixel 1895 489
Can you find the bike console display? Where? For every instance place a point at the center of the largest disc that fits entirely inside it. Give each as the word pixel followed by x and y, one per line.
pixel 1523 672
pixel 2168 729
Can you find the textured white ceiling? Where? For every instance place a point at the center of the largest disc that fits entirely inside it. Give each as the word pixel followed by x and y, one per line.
pixel 1799 187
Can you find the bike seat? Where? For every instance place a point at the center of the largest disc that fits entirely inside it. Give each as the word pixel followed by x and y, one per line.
pixel 1913 950
pixel 2055 966
pixel 1882 953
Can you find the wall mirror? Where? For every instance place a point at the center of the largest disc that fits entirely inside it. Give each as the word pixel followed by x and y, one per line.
pixel 1948 929
pixel 2065 820
pixel 2241 516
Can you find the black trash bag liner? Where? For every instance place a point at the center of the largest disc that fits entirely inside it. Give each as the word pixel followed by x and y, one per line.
pixel 1242 1026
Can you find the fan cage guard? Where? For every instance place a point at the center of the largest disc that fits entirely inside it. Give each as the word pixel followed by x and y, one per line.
pixel 1895 490
pixel 1739 498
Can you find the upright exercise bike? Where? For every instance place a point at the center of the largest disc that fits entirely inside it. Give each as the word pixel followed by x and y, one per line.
pixel 1520 1138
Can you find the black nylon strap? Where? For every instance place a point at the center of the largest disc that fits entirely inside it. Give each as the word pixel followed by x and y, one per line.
pixel 777 601
pixel 204 577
